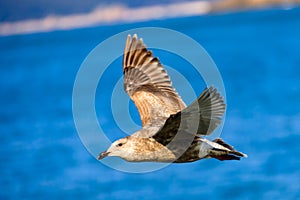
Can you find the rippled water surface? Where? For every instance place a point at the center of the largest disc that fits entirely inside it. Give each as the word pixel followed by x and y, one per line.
pixel 257 54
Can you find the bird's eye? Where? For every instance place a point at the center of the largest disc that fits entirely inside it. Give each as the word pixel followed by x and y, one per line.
pixel 119 145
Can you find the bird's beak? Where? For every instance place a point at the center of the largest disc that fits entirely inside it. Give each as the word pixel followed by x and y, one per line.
pixel 103 155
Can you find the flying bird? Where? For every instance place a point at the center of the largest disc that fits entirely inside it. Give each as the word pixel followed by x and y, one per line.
pixel 171 131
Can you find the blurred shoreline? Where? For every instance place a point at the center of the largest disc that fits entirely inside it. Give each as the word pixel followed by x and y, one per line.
pixel 116 14
pixel 231 5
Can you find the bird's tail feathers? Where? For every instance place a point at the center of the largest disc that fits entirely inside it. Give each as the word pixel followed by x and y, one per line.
pixel 226 153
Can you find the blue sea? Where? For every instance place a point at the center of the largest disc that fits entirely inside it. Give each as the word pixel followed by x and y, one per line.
pixel 258 56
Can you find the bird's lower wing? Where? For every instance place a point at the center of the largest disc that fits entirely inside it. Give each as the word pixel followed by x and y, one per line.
pixel 200 118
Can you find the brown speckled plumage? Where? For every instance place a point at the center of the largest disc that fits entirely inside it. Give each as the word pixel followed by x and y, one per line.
pixel 171 131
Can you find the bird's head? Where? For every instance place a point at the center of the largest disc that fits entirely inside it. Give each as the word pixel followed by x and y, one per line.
pixel 135 149
pixel 121 148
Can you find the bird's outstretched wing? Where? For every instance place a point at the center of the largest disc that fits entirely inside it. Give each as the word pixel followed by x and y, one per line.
pixel 148 84
pixel 200 118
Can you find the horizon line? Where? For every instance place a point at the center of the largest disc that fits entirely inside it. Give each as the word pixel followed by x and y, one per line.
pixel 110 15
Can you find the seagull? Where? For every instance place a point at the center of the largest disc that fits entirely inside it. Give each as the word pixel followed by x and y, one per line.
pixel 171 131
